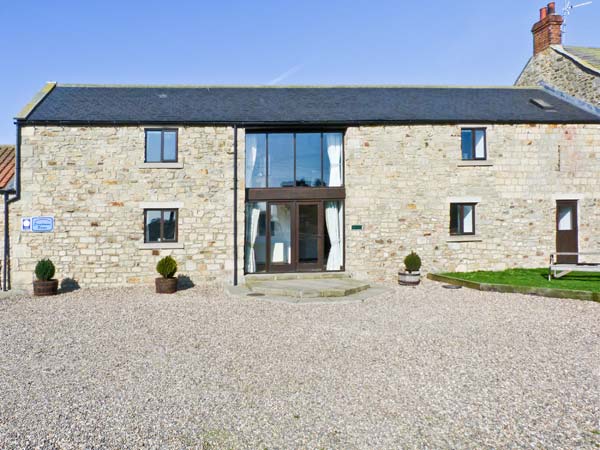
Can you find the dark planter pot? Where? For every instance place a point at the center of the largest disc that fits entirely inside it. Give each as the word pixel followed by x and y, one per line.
pixel 409 278
pixel 43 288
pixel 166 285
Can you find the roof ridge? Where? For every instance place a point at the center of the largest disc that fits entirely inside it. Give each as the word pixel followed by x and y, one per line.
pixel 300 86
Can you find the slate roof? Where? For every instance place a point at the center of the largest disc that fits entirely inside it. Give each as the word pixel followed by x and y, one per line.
pixel 247 106
pixel 590 55
pixel 7 164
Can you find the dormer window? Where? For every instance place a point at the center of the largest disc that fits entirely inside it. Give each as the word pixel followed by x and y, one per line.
pixel 161 146
pixel 473 144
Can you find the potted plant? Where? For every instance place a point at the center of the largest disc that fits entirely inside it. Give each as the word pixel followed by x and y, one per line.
pixel 45 284
pixel 167 283
pixel 412 276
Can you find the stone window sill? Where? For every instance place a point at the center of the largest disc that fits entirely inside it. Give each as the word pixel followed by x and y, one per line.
pixel 176 165
pixel 476 163
pixel 464 238
pixel 160 245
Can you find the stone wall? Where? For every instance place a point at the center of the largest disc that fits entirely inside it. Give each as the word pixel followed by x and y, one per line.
pixel 563 73
pixel 90 179
pixel 400 182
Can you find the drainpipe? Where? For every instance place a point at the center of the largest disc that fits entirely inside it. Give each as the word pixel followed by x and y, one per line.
pixel 5 283
pixel 235 205
pixel 7 202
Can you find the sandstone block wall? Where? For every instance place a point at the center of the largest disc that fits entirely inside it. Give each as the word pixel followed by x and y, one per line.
pixel 399 182
pixel 563 73
pixel 89 179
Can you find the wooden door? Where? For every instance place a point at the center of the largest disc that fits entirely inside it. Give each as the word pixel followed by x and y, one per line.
pixel 280 242
pixel 567 235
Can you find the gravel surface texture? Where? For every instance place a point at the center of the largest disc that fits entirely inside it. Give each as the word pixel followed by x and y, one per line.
pixel 421 367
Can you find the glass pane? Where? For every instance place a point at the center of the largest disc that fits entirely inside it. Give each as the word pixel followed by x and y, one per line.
pixel 152 226
pixel 333 163
pixel 480 144
pixel 334 242
pixel 308 159
pixel 308 233
pixel 170 146
pixel 153 143
pixel 281 160
pixel 256 237
pixel 467 219
pixel 256 160
pixel 565 218
pixel 170 224
pixel 454 223
pixel 467 144
pixel 281 234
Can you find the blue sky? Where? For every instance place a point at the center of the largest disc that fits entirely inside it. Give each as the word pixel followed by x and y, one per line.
pixel 262 42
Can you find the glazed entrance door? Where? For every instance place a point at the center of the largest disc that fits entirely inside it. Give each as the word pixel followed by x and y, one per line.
pixel 279 238
pixel 295 236
pixel 567 235
pixel 309 236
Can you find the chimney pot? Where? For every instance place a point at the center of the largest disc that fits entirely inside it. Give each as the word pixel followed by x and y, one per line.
pixel 543 13
pixel 551 8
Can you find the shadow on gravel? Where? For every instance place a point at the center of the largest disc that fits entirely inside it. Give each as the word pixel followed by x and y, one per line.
pixel 68 285
pixel 184 282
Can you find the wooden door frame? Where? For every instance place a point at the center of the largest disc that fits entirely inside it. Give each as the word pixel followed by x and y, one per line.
pixel 575 228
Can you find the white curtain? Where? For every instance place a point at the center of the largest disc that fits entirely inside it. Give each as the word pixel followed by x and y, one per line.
pixel 334 152
pixel 334 218
pixel 253 212
pixel 251 150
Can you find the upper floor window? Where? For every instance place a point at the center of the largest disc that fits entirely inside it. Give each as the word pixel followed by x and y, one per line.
pixel 473 143
pixel 160 225
pixel 275 160
pixel 161 146
pixel 462 218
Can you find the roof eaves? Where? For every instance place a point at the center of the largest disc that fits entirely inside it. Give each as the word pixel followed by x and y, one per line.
pixel 582 62
pixel 35 101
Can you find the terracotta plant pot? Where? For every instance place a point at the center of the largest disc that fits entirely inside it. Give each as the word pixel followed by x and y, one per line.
pixel 166 285
pixel 409 278
pixel 43 288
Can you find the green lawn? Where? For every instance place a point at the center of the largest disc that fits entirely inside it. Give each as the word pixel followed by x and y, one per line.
pixel 575 281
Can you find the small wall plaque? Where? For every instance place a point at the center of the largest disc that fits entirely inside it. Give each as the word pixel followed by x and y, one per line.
pixel 42 224
pixel 25 223
pixel 357 227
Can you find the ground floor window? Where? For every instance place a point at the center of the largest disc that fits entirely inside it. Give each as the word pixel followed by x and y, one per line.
pixel 160 225
pixel 290 236
pixel 462 218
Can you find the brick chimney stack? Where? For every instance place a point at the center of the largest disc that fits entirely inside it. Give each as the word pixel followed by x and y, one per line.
pixel 547 31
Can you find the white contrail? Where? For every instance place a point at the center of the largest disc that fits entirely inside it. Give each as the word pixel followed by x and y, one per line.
pixel 286 74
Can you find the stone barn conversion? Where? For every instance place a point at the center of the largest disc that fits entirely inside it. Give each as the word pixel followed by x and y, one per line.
pixel 233 181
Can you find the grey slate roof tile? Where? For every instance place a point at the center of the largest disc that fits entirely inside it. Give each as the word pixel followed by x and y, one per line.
pixel 301 105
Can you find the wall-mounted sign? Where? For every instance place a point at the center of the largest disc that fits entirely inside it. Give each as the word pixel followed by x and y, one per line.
pixel 357 227
pixel 25 223
pixel 42 224
pixel 39 224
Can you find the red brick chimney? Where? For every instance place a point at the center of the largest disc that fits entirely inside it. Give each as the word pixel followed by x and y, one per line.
pixel 547 31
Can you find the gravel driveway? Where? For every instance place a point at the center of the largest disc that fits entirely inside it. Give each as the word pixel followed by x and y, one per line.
pixel 418 367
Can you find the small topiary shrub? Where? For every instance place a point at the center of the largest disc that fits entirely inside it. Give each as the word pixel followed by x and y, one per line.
pixel 167 267
pixel 412 262
pixel 44 270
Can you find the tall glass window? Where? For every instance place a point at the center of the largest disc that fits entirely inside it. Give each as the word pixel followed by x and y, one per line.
pixel 281 160
pixel 276 160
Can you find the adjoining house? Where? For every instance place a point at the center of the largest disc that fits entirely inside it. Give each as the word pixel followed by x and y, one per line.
pixel 573 70
pixel 238 180
pixel 7 173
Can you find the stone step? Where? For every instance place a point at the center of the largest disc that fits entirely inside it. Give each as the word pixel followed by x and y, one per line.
pixel 296 276
pixel 308 288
